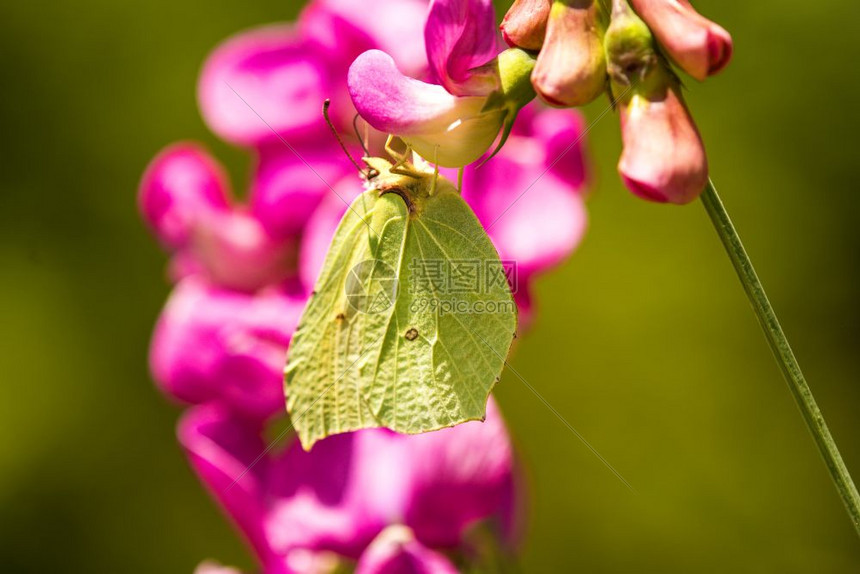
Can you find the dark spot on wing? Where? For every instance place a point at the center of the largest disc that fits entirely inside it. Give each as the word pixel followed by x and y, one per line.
pixel 403 193
pixel 411 334
pixel 340 317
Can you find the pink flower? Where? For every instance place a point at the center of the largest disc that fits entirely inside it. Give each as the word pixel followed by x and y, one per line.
pixel 184 199
pixel 343 494
pixel 447 123
pixel 287 190
pixel 274 71
pixel 224 332
pixel 181 187
pixel 700 47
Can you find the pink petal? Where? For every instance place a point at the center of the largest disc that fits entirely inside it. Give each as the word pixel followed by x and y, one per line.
pixel 458 476
pixel 562 133
pixel 222 450
pixel 342 493
pixel 214 344
pixel 338 497
pixel 326 499
pixel 395 551
pixel 347 28
pixel 182 184
pixel 237 252
pixel 264 82
pixel 288 188
pixel 460 36
pixel 448 129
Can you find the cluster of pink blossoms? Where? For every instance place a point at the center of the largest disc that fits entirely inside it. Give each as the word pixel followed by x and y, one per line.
pixel 585 46
pixel 243 269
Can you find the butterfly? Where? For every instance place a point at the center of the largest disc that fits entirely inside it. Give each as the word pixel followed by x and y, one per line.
pixel 411 318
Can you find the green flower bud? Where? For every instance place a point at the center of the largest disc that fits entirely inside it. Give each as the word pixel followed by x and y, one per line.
pixel 515 68
pixel 633 63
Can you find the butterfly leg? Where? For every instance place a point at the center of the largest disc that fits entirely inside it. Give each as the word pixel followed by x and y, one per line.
pixel 401 159
pixel 435 170
pixel 402 167
pixel 390 150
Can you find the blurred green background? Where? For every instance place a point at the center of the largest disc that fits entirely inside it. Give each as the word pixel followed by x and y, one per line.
pixel 646 343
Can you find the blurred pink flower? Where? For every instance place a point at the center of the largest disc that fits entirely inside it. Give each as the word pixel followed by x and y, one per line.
pixel 184 199
pixel 274 71
pixel 396 551
pixel 349 488
pixel 243 270
pixel 220 345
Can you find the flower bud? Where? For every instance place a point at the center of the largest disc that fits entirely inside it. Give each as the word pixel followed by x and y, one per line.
pixel 664 157
pixel 524 25
pixel 699 47
pixel 571 67
pixel 513 68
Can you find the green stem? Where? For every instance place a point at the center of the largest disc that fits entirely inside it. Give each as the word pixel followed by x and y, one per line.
pixel 782 351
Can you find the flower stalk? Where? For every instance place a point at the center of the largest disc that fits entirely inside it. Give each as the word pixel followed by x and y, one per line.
pixel 784 355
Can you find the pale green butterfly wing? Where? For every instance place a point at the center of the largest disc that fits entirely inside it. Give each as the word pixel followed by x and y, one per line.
pixel 419 359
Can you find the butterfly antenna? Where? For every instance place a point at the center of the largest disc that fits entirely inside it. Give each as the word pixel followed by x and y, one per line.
pixel 326 104
pixel 358 136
